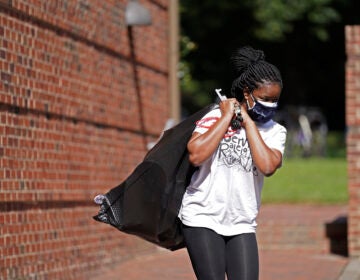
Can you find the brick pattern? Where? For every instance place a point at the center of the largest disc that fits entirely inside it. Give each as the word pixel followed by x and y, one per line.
pixel 283 252
pixel 300 228
pixel 80 96
pixel 353 135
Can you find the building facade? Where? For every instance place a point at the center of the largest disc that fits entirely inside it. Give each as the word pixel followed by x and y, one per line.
pixel 81 96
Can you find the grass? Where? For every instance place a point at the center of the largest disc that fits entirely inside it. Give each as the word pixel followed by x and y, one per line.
pixel 308 180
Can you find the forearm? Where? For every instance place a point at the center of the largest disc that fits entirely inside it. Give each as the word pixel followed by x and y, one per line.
pixel 266 159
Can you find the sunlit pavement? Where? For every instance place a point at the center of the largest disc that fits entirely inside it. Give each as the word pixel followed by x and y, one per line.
pixel 296 262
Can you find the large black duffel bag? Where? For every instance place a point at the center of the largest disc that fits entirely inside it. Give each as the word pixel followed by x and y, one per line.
pixel 147 203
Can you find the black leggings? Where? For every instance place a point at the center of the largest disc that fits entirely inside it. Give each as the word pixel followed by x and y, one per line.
pixel 212 255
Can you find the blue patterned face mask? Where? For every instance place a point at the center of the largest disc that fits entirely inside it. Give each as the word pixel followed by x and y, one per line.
pixel 262 111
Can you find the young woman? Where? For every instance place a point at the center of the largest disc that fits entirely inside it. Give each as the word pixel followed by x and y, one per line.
pixel 221 203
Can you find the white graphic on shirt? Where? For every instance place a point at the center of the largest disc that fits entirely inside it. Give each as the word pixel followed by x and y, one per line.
pixel 234 151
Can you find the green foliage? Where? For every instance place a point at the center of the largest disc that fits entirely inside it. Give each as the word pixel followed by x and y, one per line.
pixel 203 50
pixel 276 17
pixel 186 82
pixel 191 89
pixel 336 144
pixel 311 180
pixel 303 38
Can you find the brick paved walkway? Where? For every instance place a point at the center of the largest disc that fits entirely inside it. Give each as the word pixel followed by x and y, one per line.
pixel 275 265
pixel 281 257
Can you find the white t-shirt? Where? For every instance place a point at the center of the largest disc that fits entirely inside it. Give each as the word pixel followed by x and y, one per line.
pixel 225 192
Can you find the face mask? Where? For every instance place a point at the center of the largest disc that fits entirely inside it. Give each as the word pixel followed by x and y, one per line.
pixel 262 111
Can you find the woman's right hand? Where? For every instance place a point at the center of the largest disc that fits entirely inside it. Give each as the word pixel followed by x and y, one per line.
pixel 228 106
pixel 202 146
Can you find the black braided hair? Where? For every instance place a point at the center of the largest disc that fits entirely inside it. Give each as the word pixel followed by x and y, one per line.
pixel 252 71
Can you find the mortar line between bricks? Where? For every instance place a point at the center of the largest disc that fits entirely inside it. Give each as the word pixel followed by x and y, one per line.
pixel 28 205
pixel 5 107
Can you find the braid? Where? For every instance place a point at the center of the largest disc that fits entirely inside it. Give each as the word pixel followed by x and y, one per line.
pixel 252 71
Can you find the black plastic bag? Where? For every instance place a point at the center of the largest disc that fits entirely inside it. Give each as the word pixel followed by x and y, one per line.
pixel 147 203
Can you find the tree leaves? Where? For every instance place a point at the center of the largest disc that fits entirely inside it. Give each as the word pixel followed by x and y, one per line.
pixel 276 17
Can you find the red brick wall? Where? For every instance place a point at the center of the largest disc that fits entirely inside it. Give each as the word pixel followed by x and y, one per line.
pixel 79 97
pixel 353 135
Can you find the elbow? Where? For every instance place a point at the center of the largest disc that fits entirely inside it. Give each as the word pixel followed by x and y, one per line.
pixel 269 170
pixel 269 166
pixel 269 173
pixel 196 153
pixel 195 159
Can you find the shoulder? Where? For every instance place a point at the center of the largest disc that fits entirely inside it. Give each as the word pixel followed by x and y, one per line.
pixel 209 119
pixel 272 126
pixel 213 113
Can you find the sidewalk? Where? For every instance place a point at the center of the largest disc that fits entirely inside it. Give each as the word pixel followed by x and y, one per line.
pixel 274 265
pixel 304 259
